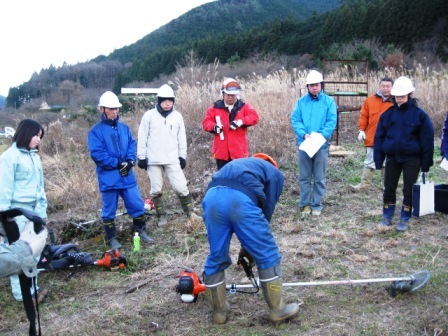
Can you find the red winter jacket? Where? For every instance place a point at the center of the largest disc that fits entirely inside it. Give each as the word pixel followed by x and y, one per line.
pixel 234 145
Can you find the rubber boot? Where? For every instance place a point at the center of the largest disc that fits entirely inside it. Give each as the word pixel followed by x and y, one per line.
pixel 388 214
pixel 161 216
pixel 366 179
pixel 187 207
pixel 140 227
pixel 109 227
pixel 272 288
pixel 216 295
pixel 404 218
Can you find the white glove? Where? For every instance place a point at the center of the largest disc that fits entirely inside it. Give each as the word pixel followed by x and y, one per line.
pixel 235 124
pixel 36 241
pixel 361 136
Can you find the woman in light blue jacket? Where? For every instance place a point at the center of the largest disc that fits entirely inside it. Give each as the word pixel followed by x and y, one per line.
pixel 22 181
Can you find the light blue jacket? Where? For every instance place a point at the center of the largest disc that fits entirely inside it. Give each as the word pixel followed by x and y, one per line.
pixel 16 258
pixel 22 181
pixel 314 115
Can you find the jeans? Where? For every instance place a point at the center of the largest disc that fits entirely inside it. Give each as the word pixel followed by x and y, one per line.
pixel 410 169
pixel 312 178
pixel 228 211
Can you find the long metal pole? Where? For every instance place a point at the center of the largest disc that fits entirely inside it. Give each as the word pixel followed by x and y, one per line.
pixel 335 282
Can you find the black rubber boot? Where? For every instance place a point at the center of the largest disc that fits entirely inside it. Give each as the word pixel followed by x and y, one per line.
pixel 140 227
pixel 109 228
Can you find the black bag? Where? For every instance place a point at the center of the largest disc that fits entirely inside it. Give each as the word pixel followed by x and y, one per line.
pixel 63 256
pixel 441 198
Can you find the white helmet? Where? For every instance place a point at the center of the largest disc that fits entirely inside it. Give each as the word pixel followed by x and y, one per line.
pixel 165 91
pixel 110 100
pixel 314 77
pixel 230 86
pixel 402 87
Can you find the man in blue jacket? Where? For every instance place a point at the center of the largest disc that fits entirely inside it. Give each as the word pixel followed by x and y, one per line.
pixel 113 149
pixel 241 199
pixel 314 112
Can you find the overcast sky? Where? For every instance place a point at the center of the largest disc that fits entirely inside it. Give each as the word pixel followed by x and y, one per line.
pixel 38 33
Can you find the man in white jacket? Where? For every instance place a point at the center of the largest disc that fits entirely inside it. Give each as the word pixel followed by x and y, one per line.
pixel 162 147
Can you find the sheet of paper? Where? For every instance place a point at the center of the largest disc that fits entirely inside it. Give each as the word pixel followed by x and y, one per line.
pixel 312 144
pixel 444 164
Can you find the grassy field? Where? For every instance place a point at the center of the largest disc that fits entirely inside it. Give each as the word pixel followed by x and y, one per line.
pixel 346 242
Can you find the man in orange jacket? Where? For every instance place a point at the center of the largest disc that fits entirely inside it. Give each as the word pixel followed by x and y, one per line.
pixel 371 110
pixel 228 119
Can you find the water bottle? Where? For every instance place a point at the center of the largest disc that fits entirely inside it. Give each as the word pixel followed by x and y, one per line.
pixel 136 242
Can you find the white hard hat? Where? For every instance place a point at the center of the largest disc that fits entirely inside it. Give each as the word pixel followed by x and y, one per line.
pixel 165 91
pixel 402 87
pixel 314 77
pixel 230 86
pixel 109 99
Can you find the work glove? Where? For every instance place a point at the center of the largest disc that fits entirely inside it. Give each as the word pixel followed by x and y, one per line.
pixel 235 124
pixel 246 255
pixel 142 164
pixel 361 136
pixel 125 167
pixel 35 241
pixel 182 162
pixel 217 129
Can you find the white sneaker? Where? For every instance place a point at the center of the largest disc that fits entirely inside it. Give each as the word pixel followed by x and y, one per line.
pixel 316 212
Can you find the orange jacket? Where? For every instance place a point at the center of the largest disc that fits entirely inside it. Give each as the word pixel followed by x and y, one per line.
pixel 372 108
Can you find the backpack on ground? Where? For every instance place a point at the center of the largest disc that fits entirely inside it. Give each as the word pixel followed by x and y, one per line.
pixel 63 256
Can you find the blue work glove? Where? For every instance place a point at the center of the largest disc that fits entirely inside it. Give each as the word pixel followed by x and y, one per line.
pixel 142 164
pixel 182 162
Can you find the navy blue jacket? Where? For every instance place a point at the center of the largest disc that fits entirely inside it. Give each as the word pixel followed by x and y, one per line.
pixel 110 143
pixel 444 147
pixel 255 177
pixel 404 132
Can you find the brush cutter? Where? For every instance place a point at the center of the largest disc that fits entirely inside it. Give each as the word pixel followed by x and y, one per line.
pixel 190 286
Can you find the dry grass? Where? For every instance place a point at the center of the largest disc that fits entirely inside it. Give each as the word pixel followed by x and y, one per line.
pixel 344 243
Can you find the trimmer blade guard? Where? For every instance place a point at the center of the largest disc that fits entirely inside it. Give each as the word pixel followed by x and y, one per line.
pixel 417 280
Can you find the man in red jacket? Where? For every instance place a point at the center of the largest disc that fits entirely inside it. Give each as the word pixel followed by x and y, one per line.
pixel 371 110
pixel 228 119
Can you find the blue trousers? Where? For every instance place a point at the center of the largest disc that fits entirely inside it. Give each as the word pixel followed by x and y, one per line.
pixel 228 211
pixel 312 178
pixel 133 202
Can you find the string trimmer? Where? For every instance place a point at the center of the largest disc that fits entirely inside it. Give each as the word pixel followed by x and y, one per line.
pixel 190 286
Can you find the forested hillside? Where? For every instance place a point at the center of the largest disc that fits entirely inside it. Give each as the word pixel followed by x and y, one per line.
pixel 383 31
pixel 225 16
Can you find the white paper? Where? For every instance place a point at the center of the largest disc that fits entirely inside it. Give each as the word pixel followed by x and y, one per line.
pixel 444 164
pixel 218 122
pixel 312 144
